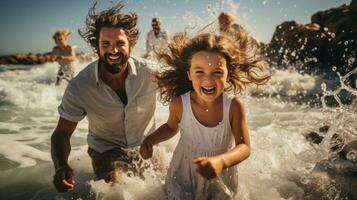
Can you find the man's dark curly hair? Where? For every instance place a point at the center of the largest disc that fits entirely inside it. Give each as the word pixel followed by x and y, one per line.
pixel 111 18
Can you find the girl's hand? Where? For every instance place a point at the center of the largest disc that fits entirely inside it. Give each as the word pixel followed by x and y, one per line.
pixel 209 167
pixel 146 149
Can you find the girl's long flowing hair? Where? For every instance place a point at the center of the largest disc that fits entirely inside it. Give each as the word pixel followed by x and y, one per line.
pixel 244 62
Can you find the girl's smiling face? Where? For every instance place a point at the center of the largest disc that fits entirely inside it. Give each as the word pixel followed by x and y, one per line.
pixel 208 73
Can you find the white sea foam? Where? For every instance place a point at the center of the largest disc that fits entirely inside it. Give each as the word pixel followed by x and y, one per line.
pixel 281 157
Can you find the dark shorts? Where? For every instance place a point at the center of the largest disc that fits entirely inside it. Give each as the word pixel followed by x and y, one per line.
pixel 107 165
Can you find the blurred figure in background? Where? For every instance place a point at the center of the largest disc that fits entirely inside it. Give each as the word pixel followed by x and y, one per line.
pixel 64 54
pixel 227 25
pixel 157 39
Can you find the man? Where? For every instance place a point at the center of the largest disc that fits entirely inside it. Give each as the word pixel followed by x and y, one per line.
pixel 157 39
pixel 116 95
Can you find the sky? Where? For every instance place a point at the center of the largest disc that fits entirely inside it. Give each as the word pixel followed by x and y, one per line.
pixel 28 26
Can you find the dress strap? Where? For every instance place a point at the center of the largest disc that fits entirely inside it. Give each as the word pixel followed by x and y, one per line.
pixel 185 105
pixel 227 100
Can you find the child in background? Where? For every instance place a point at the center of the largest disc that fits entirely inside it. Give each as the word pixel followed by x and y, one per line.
pixel 214 134
pixel 227 24
pixel 64 54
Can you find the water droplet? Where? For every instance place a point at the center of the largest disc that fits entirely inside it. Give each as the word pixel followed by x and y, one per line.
pixel 351 61
pixel 323 86
pixel 333 35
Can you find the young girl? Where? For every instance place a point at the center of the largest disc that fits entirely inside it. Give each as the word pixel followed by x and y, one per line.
pixel 64 54
pixel 212 123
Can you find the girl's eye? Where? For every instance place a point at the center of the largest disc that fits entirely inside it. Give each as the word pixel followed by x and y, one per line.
pixel 199 72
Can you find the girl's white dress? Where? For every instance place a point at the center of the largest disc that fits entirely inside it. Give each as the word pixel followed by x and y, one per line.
pixel 182 181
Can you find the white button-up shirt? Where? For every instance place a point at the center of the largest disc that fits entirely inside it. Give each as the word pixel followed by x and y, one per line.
pixel 156 44
pixel 111 123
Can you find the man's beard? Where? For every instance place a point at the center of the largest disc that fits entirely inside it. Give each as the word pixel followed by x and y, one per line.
pixel 157 29
pixel 113 68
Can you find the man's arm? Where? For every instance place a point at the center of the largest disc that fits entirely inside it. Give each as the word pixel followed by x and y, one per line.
pixel 60 149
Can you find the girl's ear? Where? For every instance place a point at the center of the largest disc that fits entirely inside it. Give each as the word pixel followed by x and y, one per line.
pixel 189 76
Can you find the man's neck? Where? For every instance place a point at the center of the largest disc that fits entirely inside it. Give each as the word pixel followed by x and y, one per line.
pixel 157 31
pixel 115 81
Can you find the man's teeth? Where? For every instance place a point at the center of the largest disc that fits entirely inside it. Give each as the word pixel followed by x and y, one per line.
pixel 114 57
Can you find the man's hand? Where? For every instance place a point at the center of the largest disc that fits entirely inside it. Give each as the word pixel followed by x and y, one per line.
pixel 63 179
pixel 209 167
pixel 146 149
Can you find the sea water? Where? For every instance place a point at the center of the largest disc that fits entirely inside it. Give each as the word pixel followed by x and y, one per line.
pixel 282 165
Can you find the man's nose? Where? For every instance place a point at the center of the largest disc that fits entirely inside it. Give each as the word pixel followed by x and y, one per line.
pixel 113 49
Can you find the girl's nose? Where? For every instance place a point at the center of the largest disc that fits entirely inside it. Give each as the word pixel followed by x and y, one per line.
pixel 207 78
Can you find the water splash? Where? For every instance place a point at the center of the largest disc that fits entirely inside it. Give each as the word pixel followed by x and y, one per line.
pixel 335 93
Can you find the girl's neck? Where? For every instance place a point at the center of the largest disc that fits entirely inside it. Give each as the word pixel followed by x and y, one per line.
pixel 206 105
pixel 209 114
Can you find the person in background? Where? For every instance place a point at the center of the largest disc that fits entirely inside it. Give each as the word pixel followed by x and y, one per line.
pixel 64 54
pixel 227 24
pixel 115 93
pixel 157 39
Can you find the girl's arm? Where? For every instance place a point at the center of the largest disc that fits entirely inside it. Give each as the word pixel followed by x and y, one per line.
pixel 210 167
pixel 165 131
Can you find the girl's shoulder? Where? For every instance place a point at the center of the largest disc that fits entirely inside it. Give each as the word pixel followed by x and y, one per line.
pixel 71 47
pixel 237 106
pixel 176 102
pixel 176 107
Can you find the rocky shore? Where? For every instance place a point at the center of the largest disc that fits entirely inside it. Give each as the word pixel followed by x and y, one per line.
pixel 38 58
pixel 328 41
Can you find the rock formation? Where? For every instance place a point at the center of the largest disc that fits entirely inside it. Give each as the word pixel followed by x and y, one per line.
pixel 330 40
pixel 32 59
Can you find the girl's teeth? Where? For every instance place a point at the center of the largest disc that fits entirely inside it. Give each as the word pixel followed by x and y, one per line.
pixel 208 89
